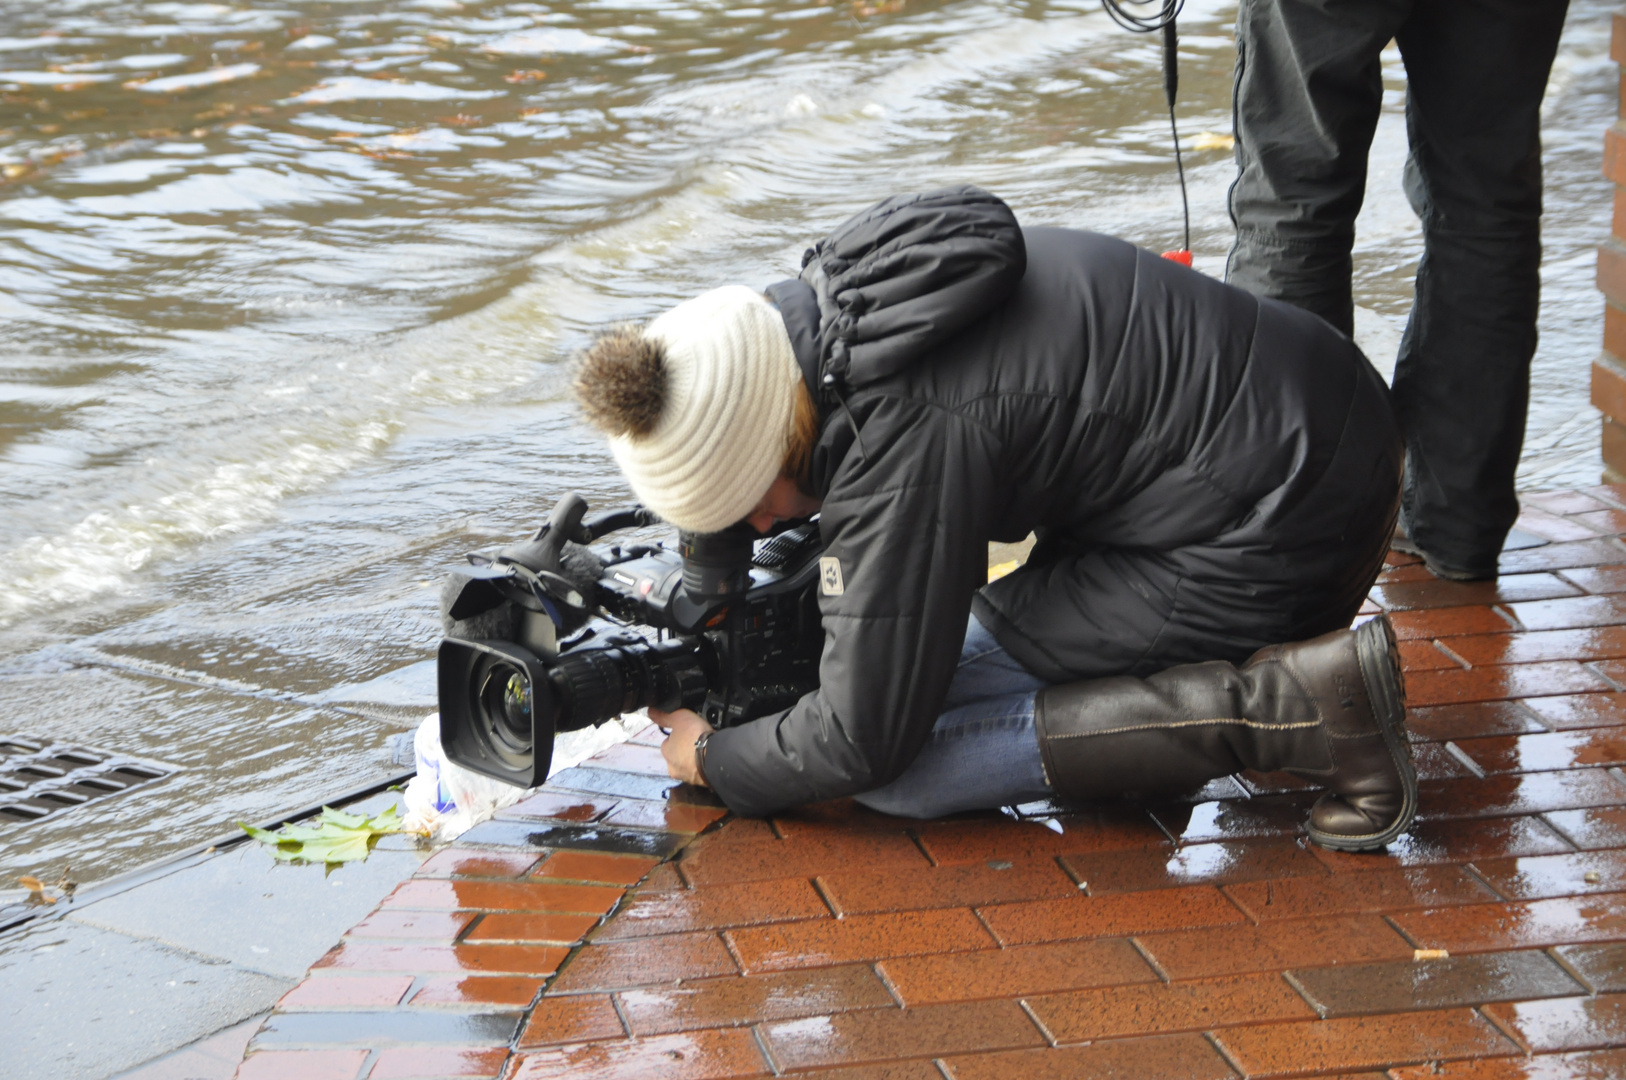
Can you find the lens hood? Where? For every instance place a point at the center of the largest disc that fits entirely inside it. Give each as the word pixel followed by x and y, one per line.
pixel 496 710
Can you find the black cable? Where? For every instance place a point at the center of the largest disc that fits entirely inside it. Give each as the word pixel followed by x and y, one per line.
pixel 1120 10
pixel 1126 13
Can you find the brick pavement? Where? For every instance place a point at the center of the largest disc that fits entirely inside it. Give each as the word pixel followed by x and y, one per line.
pixel 616 925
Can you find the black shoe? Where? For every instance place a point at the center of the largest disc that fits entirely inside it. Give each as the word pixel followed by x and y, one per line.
pixel 1372 786
pixel 1402 543
pixel 1331 709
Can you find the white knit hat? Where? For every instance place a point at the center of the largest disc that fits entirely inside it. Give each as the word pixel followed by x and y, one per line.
pixel 725 411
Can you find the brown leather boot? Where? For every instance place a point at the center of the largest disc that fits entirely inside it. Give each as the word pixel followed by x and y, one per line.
pixel 1331 709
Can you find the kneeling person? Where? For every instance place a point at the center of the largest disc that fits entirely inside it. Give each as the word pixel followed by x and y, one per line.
pixel 1209 474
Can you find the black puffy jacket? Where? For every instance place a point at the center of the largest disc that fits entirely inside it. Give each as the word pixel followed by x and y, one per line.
pixel 1208 472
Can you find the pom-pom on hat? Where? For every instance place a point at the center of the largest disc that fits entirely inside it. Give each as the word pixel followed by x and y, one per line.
pixel 697 405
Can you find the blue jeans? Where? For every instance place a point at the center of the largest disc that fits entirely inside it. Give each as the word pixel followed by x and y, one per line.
pixel 983 752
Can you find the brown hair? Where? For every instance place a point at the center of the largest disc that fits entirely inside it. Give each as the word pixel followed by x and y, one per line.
pixel 804 435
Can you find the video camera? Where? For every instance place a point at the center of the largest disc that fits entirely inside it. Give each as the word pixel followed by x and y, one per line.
pixel 551 635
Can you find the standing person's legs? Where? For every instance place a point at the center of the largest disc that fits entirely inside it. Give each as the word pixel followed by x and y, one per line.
pixel 1306 101
pixel 1476 72
pixel 982 752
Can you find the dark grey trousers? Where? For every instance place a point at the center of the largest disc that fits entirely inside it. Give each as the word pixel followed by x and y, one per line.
pixel 1307 98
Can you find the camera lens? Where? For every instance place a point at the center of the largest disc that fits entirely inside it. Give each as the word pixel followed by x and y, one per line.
pixel 505 698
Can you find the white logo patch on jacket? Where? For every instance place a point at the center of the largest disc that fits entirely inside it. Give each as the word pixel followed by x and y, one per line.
pixel 830 583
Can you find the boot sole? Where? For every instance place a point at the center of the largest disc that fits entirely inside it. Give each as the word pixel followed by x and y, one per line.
pixel 1379 656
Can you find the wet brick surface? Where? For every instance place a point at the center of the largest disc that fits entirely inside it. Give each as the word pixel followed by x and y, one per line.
pixel 616 924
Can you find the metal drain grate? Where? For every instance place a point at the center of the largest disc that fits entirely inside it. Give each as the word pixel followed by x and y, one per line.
pixel 39 778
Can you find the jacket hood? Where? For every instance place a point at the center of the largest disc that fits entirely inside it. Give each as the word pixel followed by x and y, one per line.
pixel 897 279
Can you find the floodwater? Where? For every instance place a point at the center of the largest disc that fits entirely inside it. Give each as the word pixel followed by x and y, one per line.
pixel 289 291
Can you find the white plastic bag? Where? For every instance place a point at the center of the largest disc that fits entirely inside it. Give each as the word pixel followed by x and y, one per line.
pixel 445 799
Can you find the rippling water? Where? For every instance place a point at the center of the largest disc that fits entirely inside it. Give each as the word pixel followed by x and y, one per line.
pixel 287 290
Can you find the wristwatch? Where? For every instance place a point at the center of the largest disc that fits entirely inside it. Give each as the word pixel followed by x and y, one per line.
pixel 700 756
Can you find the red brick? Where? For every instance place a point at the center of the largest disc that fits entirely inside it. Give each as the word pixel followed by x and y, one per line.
pixel 571 1018
pixel 665 876
pixel 1192 864
pixel 1016 972
pixel 1501 681
pixel 1597 827
pixel 1611 272
pixel 1534 924
pixel 1613 670
pixel 1553 527
pixel 1534 646
pixel 668 816
pixel 1110 916
pixel 1433 761
pixel 1275 946
pixel 1574 711
pixel 1347 894
pixel 1542 876
pixel 1562 557
pixel 1577 1023
pixel 1612 522
pixel 1528 793
pixel 608 869
pixel 1276 783
pixel 968 885
pixel 1163 1057
pixel 1612 444
pixel 545 927
pixel 1599 579
pixel 726 858
pixel 561 806
pixel 1601 968
pixel 1548 751
pixel 1444 622
pixel 1567 613
pixel 630 757
pixel 752 999
pixel 1427 843
pixel 436 1062
pixel 998 837
pixel 1431 592
pixel 1235 819
pixel 836 815
pixel 347 993
pixel 1425 655
pixel 644 962
pixel 1308 1047
pixel 716 907
pixel 856 938
pixel 1471 719
pixel 1398 567
pixel 301 1065
pixel 471 862
pixel 1591 1065
pixel 1561 502
pixel 504 896
pixel 887 1070
pixel 928 1031
pixel 479 990
pixel 441 926
pixel 473 959
pixel 694 1055
pixel 1165 1008
pixel 1613 494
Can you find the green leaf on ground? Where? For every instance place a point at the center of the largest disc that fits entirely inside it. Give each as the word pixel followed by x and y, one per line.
pixel 340 838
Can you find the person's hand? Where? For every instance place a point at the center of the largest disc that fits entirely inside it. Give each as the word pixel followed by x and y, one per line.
pixel 683 728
